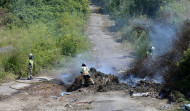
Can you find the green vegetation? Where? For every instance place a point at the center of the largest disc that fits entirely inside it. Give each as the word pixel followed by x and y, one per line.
pixel 133 7
pixel 133 20
pixel 176 12
pixel 50 29
pixel 136 34
pixel 184 73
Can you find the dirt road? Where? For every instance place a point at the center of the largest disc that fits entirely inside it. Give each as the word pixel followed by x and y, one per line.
pixel 109 54
pixel 46 97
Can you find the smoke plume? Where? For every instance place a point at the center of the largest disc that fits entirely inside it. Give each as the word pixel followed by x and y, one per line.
pixel 162 38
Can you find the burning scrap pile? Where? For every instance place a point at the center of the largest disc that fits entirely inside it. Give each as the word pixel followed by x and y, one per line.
pixel 102 82
pixel 110 82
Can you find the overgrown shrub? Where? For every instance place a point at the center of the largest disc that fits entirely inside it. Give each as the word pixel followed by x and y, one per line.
pixel 176 96
pixel 184 72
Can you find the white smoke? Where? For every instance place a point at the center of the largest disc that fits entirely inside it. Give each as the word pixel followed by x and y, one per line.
pixel 71 67
pixel 132 80
pixel 162 37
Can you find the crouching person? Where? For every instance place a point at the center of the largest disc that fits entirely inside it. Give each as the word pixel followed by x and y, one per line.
pixel 86 80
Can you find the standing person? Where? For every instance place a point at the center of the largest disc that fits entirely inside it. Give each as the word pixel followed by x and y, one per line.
pixel 150 51
pixel 30 66
pixel 87 80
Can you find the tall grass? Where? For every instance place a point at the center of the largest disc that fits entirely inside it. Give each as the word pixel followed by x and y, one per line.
pixel 136 32
pixel 37 39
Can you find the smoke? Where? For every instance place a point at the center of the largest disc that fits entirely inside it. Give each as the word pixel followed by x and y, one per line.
pixel 104 58
pixel 132 80
pixel 158 78
pixel 70 68
pixel 162 37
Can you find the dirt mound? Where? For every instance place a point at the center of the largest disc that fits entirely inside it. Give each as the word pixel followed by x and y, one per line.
pixel 103 82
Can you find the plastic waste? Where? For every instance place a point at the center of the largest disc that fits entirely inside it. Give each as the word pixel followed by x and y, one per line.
pixel 63 93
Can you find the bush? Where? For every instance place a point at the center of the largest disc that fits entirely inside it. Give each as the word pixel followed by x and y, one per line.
pixel 176 96
pixel 185 63
pixel 13 61
pixel 70 22
pixel 184 72
pixel 73 44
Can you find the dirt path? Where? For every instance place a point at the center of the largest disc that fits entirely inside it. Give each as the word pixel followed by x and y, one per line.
pixel 46 97
pixel 8 89
pixel 109 54
pixel 121 101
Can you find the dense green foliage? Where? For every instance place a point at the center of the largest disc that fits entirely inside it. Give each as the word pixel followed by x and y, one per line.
pixel 184 73
pixel 25 12
pixel 125 8
pixel 50 29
